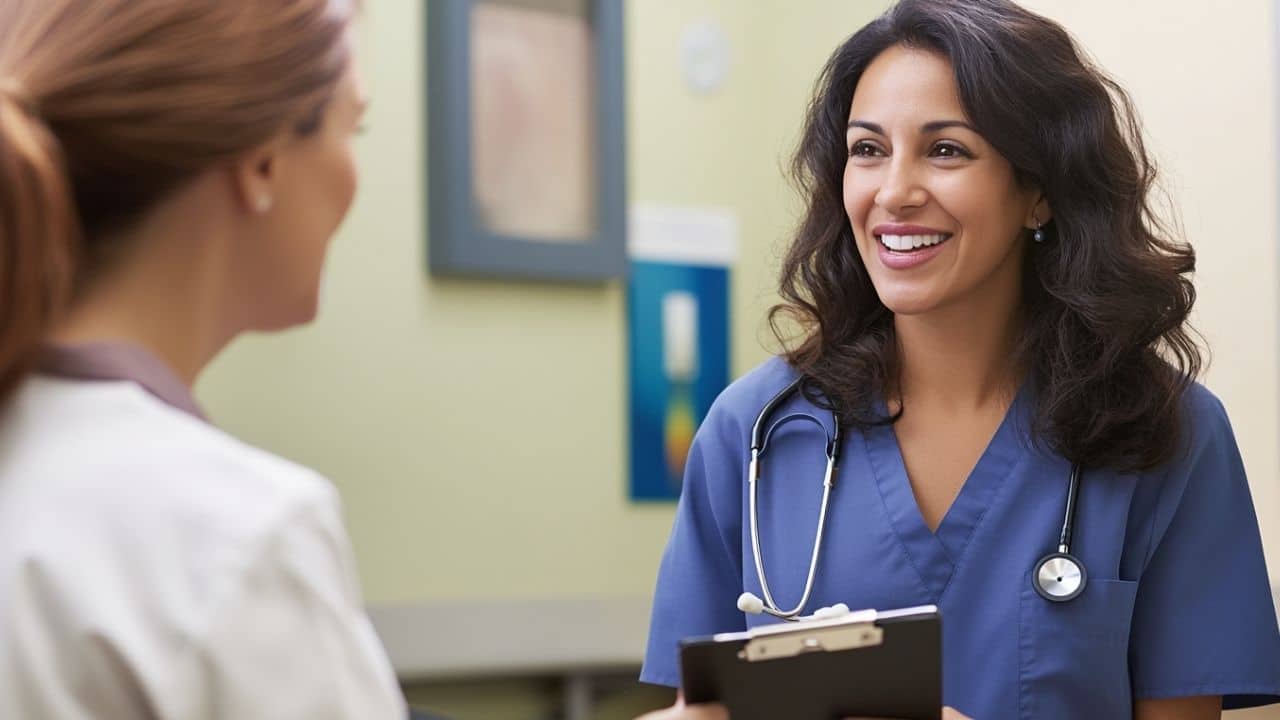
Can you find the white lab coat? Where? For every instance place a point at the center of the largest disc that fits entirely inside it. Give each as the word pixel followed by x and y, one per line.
pixel 152 566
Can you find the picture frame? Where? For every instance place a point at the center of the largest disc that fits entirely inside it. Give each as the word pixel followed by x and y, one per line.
pixel 525 139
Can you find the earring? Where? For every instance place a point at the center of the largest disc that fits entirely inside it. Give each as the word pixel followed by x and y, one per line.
pixel 264 203
pixel 1038 235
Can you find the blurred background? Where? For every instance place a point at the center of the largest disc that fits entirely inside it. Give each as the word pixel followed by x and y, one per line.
pixel 478 429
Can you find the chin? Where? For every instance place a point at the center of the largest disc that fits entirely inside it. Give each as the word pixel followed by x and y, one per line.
pixel 900 303
pixel 300 313
pixel 306 315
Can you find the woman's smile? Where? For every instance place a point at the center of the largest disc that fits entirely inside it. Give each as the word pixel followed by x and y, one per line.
pixel 902 247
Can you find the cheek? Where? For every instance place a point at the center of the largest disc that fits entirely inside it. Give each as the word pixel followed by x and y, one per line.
pixel 987 212
pixel 859 195
pixel 966 202
pixel 330 199
pixel 346 180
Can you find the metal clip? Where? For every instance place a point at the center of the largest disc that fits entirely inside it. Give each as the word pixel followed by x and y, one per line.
pixel 831 639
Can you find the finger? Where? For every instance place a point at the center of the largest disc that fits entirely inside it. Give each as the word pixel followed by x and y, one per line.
pixel 680 711
pixel 947 714
pixel 705 712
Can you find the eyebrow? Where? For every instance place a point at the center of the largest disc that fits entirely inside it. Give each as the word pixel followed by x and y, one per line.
pixel 929 127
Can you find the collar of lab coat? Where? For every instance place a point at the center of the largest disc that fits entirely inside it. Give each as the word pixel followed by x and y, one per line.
pixel 119 361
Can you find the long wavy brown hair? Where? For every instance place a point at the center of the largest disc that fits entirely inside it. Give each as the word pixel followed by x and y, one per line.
pixel 1106 296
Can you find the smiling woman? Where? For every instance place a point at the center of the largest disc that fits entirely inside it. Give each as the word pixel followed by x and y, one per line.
pixel 965 205
pixel 1028 122
pixel 980 292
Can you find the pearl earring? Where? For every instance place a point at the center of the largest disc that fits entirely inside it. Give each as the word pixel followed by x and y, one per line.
pixel 264 203
pixel 1038 236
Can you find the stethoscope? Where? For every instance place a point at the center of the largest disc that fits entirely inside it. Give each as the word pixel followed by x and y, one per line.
pixel 1058 576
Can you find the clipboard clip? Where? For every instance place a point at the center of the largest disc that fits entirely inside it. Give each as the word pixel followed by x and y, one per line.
pixel 832 638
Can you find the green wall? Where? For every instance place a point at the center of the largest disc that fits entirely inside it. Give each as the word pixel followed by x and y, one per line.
pixel 477 430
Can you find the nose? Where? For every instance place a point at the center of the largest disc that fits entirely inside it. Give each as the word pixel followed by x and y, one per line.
pixel 901 188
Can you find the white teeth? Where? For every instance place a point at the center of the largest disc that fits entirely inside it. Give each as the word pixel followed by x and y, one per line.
pixel 910 242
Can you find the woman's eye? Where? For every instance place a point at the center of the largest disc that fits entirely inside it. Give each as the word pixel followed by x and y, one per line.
pixel 863 149
pixel 949 150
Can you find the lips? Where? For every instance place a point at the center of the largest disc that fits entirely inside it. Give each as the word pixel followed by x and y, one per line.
pixel 902 247
pixel 908 243
pixel 902 238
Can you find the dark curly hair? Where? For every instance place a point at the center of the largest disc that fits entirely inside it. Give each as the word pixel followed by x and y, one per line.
pixel 1106 296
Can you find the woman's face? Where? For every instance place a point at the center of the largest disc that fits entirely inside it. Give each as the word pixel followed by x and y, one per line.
pixel 936 212
pixel 314 189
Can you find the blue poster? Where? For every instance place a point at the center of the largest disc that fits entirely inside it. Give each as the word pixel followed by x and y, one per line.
pixel 679 355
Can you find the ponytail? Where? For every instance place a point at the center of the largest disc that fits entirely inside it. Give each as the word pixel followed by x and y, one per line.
pixel 39 233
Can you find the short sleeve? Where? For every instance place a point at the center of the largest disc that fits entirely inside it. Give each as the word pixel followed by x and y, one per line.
pixel 293 641
pixel 1205 621
pixel 701 566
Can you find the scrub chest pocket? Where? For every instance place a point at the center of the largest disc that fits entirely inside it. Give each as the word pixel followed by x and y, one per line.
pixel 1073 657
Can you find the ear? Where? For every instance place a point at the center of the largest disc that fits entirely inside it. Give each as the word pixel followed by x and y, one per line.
pixel 1041 213
pixel 255 177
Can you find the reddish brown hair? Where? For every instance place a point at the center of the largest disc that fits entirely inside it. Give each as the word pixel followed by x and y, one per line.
pixel 107 106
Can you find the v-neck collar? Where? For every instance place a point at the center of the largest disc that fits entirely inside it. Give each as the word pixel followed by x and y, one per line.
pixel 936 554
pixel 119 361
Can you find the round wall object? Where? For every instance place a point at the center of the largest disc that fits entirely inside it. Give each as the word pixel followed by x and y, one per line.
pixel 704 55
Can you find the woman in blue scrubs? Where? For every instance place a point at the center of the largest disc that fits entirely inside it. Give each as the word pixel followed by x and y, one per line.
pixel 985 300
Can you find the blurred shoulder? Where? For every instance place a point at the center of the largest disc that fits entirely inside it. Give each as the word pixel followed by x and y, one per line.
pixel 124 470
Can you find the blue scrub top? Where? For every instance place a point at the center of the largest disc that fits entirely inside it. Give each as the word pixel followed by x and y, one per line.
pixel 1177 601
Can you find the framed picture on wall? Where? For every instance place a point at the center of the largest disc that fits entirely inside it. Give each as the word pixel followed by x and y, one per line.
pixel 525 146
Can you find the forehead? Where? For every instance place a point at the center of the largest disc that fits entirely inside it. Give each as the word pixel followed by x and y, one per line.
pixel 907 82
pixel 355 48
pixel 351 89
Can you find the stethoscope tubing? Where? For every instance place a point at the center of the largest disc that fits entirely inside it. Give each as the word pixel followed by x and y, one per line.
pixel 771 607
pixel 759 444
pixel 1057 577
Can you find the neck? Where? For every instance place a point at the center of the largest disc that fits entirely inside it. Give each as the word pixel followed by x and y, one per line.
pixel 162 294
pixel 961 357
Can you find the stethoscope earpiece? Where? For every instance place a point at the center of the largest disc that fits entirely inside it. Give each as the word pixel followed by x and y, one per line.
pixel 750 603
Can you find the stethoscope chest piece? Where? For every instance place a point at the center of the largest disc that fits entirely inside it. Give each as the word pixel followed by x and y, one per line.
pixel 1059 577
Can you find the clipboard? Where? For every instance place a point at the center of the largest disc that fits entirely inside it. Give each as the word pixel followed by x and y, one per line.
pixel 884 664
